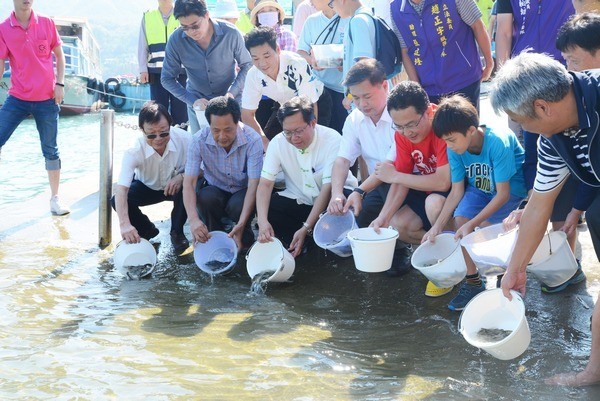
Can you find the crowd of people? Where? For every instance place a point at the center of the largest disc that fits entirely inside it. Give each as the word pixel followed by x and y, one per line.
pixel 276 136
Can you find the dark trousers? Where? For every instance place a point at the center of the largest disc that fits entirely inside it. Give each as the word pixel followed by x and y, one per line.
pixel 338 112
pixel 471 92
pixel 158 93
pixel 266 114
pixel 592 217
pixel 213 204
pixel 286 216
pixel 140 195
pixel 372 205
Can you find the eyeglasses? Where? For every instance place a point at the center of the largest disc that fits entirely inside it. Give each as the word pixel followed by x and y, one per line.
pixel 296 132
pixel 330 4
pixel 192 27
pixel 409 126
pixel 153 136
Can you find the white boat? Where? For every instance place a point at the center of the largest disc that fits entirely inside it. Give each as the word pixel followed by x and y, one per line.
pixel 83 76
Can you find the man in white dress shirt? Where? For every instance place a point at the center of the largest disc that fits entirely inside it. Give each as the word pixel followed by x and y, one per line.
pixel 152 172
pixel 305 153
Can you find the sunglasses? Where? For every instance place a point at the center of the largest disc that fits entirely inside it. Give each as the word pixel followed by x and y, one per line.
pixel 162 135
pixel 195 26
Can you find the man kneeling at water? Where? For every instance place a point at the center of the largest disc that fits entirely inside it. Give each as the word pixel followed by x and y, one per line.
pixel 305 152
pixel 231 154
pixel 152 172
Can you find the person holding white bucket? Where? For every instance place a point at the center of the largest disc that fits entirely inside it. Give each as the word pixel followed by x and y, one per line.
pixel 487 180
pixel 419 173
pixel 369 133
pixel 152 172
pixel 232 155
pixel 563 107
pixel 579 42
pixel 305 153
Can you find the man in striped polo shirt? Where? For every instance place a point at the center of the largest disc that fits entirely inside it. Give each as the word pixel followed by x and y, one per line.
pixel 563 107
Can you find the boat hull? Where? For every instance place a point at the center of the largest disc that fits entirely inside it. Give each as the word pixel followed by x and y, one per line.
pixel 79 98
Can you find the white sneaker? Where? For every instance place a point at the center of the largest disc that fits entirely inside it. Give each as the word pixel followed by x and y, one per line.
pixel 56 208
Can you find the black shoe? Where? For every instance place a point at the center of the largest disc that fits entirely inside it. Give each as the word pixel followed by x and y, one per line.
pixel 179 242
pixel 401 262
pixel 149 233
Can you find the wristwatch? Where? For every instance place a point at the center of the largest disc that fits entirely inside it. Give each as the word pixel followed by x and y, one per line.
pixel 309 230
pixel 360 192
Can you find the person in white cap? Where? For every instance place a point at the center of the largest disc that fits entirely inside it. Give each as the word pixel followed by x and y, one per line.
pixel 271 13
pixel 227 10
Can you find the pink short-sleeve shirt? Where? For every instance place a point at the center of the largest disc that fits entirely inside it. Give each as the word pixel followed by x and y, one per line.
pixel 29 52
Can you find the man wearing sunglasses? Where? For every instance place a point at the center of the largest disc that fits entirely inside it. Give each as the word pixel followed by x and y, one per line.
pixel 305 153
pixel 152 172
pixel 210 51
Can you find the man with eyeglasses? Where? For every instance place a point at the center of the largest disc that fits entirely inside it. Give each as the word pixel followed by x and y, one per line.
pixel 305 153
pixel 151 173
pixel 419 173
pixel 232 155
pixel 368 132
pixel 210 51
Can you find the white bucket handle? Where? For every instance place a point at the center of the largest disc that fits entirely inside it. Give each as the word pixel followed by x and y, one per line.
pixel 358 239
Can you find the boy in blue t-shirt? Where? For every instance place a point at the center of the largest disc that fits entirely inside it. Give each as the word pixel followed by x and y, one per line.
pixel 487 180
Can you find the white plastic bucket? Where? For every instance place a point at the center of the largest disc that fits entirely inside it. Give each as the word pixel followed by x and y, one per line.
pixel 373 252
pixel 330 233
pixel 270 256
pixel 490 246
pixel 328 56
pixel 201 117
pixel 135 255
pixel 442 262
pixel 553 263
pixel 492 310
pixel 217 255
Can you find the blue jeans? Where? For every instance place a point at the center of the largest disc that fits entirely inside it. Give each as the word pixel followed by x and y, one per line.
pixel 45 113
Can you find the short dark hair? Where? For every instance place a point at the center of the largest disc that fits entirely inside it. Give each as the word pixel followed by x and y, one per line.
pixel 261 35
pixel 367 68
pixel 185 8
pixel 407 94
pixel 222 106
pixel 297 104
pixel 151 113
pixel 582 30
pixel 454 114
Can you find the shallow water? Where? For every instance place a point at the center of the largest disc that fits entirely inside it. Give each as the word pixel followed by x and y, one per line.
pixel 74 328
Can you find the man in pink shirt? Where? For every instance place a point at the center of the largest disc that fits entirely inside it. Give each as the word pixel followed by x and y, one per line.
pixel 28 40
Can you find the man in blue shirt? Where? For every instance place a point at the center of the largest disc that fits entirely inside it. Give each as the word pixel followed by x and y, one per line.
pixel 231 155
pixel 210 51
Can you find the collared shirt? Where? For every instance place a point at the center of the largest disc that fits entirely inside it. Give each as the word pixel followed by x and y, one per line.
pixel 361 137
pixel 29 52
pixel 294 79
pixel 152 169
pixel 229 171
pixel 305 171
pixel 211 72
pixel 286 39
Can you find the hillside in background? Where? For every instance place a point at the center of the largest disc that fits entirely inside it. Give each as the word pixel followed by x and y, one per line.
pixel 115 25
